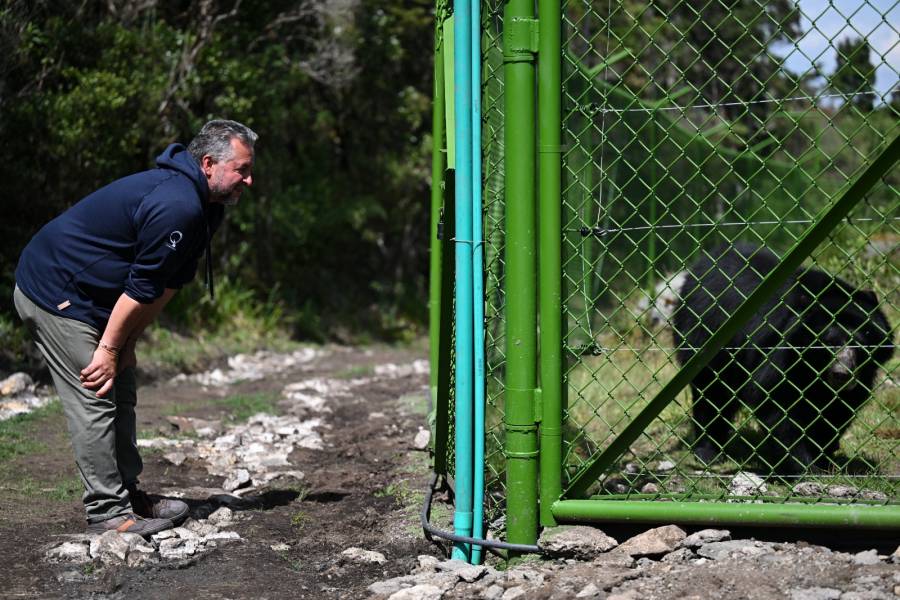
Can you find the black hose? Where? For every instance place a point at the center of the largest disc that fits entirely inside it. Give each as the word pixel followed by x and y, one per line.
pixel 432 530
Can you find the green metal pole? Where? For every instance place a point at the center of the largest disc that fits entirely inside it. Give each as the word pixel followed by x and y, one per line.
pixel 721 513
pixel 519 49
pixel 441 267
pixel 550 122
pixel 438 165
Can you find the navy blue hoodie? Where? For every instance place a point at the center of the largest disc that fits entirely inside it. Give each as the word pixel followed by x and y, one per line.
pixel 138 235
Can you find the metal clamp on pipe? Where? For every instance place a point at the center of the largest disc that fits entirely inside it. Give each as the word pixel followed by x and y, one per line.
pixel 521 44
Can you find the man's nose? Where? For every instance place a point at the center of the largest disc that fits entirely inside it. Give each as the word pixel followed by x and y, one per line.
pixel 248 180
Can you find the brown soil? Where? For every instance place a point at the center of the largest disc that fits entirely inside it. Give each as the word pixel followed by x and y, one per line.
pixel 357 491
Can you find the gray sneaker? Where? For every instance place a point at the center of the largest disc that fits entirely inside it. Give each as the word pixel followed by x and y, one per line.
pixel 156 507
pixel 130 523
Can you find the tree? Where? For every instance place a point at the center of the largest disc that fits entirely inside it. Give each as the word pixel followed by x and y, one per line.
pixel 854 74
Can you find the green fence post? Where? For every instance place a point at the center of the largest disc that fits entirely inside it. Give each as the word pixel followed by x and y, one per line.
pixel 519 49
pixel 550 121
pixel 438 163
pixel 439 360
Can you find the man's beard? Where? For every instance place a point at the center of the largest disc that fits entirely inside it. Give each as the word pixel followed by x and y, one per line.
pixel 229 198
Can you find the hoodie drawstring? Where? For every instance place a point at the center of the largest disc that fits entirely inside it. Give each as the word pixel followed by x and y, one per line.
pixel 209 268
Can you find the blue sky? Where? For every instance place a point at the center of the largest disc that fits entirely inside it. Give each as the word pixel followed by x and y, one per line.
pixel 826 23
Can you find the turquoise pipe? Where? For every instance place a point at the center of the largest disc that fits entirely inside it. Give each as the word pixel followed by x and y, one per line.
pixel 477 288
pixel 462 58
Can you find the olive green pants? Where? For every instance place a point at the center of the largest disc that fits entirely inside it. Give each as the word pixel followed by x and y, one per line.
pixel 103 430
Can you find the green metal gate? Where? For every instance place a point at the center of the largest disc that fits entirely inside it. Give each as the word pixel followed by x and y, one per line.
pixel 684 129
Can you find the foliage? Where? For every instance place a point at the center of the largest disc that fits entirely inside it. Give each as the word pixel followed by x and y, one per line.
pixel 334 229
pixel 854 74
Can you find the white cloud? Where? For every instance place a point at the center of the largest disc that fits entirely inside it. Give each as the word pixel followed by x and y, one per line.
pixel 825 24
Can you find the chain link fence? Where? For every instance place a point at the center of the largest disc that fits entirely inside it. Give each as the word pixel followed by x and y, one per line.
pixel 701 142
pixel 696 156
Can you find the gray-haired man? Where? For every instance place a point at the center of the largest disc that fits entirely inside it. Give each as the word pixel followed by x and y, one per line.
pixel 91 280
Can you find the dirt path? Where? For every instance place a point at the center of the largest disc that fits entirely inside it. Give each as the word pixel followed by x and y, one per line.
pixel 352 480
pixel 360 489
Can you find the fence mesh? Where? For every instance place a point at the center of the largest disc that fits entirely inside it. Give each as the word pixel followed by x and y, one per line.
pixel 696 154
pixel 701 141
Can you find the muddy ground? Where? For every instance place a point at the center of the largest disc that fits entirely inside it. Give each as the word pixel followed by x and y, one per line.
pixel 362 488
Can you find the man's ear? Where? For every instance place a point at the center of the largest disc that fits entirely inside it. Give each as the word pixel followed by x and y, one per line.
pixel 206 163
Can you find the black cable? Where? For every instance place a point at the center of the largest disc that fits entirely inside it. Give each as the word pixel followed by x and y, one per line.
pixel 432 530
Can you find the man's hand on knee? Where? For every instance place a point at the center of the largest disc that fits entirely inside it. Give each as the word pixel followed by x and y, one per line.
pixel 100 374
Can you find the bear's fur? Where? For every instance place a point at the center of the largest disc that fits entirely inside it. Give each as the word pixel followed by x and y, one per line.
pixel 804 364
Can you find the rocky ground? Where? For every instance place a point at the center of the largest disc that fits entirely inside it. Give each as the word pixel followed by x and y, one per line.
pixel 305 474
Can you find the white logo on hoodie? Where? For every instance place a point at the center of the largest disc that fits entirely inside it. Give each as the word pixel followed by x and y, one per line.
pixel 174 238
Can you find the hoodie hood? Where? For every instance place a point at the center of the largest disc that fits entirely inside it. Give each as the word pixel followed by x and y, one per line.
pixel 178 158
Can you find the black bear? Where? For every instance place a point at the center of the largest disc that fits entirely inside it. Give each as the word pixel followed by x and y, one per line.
pixel 803 364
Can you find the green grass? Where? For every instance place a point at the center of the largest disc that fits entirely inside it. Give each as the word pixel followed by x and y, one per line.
pixel 299 519
pixel 355 372
pixel 606 392
pixel 239 407
pixel 17 433
pixel 402 493
pixel 65 489
pixel 416 403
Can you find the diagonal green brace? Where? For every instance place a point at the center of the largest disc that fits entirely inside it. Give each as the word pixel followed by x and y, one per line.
pixel 802 249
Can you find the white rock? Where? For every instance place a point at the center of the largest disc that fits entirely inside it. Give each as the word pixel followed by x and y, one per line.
pixel 492 592
pixel 665 465
pixel 842 491
pixel 678 556
pixel 424 591
pixel 15 384
pixel 525 575
pixel 222 515
pixel 201 529
pixel 747 484
pixel 868 557
pixel 463 570
pixel 576 541
pixel 734 548
pixel 222 536
pixel 361 555
pixel 176 548
pixel 74 552
pixel 141 555
pixel 513 592
pixel 705 536
pixel 280 547
pixel 177 458
pixel 111 547
pixel 391 586
pixel 660 540
pixel 589 591
pixel 650 488
pixel 624 595
pixel 808 488
pixel 815 593
pixel 238 479
pixel 422 439
pixel 185 533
